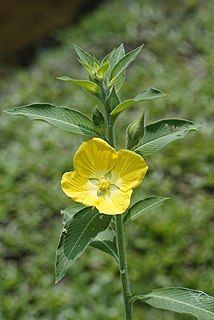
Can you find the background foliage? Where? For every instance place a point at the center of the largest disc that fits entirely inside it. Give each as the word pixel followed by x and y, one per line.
pixel 170 247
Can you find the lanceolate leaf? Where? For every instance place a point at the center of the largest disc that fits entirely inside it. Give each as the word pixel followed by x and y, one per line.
pixel 143 206
pixel 63 118
pixel 87 85
pixel 159 134
pixel 108 57
pixel 87 67
pixel 105 241
pixel 181 300
pixel 119 80
pixel 76 237
pixel 147 94
pixel 84 56
pixel 101 72
pixel 116 55
pixel 123 63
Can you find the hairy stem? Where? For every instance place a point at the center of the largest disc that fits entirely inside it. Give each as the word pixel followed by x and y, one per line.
pixel 120 239
pixel 127 298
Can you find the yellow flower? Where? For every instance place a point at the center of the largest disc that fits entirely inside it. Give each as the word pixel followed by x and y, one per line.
pixel 103 177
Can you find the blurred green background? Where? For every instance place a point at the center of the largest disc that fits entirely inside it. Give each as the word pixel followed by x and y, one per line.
pixel 171 247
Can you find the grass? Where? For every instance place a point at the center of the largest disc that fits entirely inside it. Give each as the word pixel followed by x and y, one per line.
pixel 170 247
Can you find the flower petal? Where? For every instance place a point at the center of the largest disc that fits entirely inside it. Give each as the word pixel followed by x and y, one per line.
pixel 115 202
pixel 79 189
pixel 129 170
pixel 94 158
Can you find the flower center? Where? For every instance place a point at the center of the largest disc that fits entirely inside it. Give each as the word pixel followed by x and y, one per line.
pixel 103 183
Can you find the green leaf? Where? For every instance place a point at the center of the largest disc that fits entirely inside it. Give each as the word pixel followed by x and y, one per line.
pixel 105 241
pixel 159 134
pixel 76 237
pixel 147 94
pixel 62 118
pixel 108 57
pixel 87 67
pixel 119 80
pixel 143 206
pixel 112 100
pixel 123 63
pixel 84 56
pixel 69 213
pixel 116 55
pixel 87 85
pixel 101 72
pixel 181 300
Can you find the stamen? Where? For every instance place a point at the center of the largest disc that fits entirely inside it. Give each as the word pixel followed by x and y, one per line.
pixel 103 183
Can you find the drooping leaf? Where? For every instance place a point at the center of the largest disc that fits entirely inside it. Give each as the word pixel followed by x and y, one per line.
pixel 112 100
pixel 76 237
pixel 159 134
pixel 123 63
pixel 143 206
pixel 147 94
pixel 181 300
pixel 84 56
pixel 60 117
pixel 87 85
pixel 105 241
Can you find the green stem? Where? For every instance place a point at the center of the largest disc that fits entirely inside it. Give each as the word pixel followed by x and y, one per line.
pixel 127 298
pixel 120 239
pixel 110 123
pixel 111 131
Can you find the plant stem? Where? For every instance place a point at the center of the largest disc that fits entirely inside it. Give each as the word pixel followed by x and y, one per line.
pixel 111 131
pixel 127 299
pixel 120 239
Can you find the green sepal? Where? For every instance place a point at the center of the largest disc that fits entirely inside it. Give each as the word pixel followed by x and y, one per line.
pixel 135 132
pixel 160 133
pixel 76 236
pixel 63 118
pixel 181 300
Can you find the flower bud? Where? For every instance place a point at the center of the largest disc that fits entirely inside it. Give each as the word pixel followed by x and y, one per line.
pixel 135 132
pixel 98 118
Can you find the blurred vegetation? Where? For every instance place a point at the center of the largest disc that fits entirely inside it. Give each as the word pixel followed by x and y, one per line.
pixel 171 247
